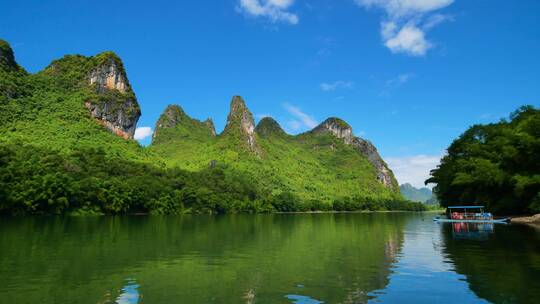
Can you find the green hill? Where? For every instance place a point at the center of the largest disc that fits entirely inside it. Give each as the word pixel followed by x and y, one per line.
pixel 422 195
pixel 72 103
pixel 318 165
pixel 66 146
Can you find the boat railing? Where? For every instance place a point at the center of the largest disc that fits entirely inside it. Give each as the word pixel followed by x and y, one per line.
pixel 471 216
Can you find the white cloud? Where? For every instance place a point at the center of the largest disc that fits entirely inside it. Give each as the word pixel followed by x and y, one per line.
pixel 274 10
pixel 405 8
pixel 409 39
pixel 301 119
pixel 413 169
pixel 143 133
pixel 435 20
pixel 406 22
pixel 340 84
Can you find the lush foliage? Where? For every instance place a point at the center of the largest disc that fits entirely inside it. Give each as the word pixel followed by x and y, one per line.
pixel 42 180
pixel 55 158
pixel 497 165
pixel 315 167
pixel 46 181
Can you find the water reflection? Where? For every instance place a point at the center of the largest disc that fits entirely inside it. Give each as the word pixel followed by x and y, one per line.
pixel 312 258
pixel 472 231
pixel 421 274
pixel 298 299
pixel 129 294
pixel 503 268
pixel 338 258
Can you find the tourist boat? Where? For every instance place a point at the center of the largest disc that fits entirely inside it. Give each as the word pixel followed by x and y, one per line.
pixel 469 214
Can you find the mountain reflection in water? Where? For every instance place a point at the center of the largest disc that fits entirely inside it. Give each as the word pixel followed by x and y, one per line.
pixel 288 258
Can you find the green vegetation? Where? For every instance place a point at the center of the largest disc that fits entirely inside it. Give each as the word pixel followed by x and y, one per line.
pixel 496 165
pixel 268 127
pixel 422 195
pixel 314 166
pixel 308 172
pixel 46 181
pixel 55 158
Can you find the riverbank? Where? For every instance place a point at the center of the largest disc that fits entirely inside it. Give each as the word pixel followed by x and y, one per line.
pixel 530 220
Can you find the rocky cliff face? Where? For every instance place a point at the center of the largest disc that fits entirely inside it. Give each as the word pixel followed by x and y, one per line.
pixel 384 174
pixel 209 123
pixel 116 106
pixel 343 130
pixel 240 122
pixel 338 127
pixel 109 76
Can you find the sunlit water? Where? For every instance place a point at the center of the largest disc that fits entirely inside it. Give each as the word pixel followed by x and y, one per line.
pixel 300 258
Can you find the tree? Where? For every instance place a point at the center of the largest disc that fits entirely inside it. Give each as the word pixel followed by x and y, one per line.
pixel 497 165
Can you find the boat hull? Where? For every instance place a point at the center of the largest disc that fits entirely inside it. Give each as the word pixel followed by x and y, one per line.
pixel 501 221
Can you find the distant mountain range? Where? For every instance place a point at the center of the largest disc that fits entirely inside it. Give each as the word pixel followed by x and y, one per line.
pixel 422 195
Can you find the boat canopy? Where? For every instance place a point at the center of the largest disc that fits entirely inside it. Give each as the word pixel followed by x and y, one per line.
pixel 465 207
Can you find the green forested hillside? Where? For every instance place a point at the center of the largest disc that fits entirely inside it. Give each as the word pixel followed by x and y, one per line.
pixel 497 165
pixel 66 147
pixel 47 109
pixel 315 166
pixel 423 195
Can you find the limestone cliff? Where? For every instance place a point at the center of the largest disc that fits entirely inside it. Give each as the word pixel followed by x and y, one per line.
pixel 384 174
pixel 210 125
pixel 338 127
pixel 108 76
pixel 240 122
pixel 343 130
pixel 115 105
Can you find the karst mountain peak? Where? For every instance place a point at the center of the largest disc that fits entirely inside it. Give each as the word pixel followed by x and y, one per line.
pixel 78 102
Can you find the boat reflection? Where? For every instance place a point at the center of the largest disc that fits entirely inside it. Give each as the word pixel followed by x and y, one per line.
pixel 472 231
pixel 503 267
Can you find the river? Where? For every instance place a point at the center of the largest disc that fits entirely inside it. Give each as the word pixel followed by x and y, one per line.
pixel 280 258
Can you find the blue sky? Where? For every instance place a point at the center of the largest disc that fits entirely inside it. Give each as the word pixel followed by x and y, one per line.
pixel 409 75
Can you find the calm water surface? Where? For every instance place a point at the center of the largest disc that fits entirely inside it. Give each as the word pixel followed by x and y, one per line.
pixel 301 258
